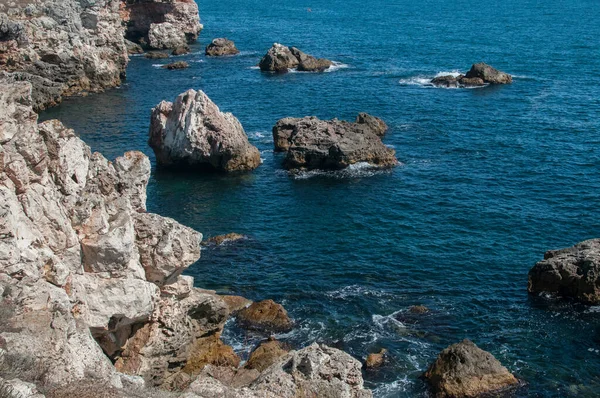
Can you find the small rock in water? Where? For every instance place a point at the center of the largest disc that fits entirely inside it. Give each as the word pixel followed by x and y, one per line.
pixel 375 360
pixel 156 55
pixel 220 47
pixel 418 309
pixel 266 316
pixel 465 370
pixel 488 74
pixel 181 50
pixel 177 65
pixel 221 239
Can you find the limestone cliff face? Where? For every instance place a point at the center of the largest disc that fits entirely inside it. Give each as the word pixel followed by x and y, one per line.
pixel 63 47
pixel 91 289
pixel 161 24
pixel 66 47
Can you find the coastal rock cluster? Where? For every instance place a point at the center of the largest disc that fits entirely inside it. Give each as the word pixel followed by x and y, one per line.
pixel 192 133
pixel 91 283
pixel 479 75
pixel 281 59
pixel 311 143
pixel 573 273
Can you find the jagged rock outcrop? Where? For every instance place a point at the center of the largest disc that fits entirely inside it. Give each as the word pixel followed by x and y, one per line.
pixel 161 24
pixel 220 47
pixel 91 294
pixel 192 133
pixel 62 47
pixel 479 75
pixel 312 143
pixel 281 59
pixel 465 370
pixel 81 261
pixel 573 272
pixel 266 354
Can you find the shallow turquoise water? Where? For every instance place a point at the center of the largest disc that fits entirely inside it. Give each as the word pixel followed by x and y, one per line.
pixel 490 178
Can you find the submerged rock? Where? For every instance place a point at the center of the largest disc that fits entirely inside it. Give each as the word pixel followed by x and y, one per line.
pixel 221 239
pixel 156 55
pixel 281 58
pixel 465 370
pixel 375 360
pixel 573 272
pixel 312 143
pixel 265 316
pixel 418 309
pixel 177 65
pixel 220 47
pixel 192 133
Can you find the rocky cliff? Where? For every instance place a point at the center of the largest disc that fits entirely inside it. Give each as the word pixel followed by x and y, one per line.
pixel 67 47
pixel 91 289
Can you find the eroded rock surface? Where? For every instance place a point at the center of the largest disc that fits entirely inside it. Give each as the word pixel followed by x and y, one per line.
pixel 220 47
pixel 281 59
pixel 161 24
pixel 573 272
pixel 192 133
pixel 312 143
pixel 465 370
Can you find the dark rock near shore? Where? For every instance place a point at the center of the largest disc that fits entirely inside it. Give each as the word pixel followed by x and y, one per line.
pixel 192 133
pixel 265 316
pixel 156 55
pixel 312 143
pixel 220 47
pixel 573 272
pixel 177 65
pixel 133 48
pixel 465 370
pixel 181 50
pixel 281 58
pixel 221 239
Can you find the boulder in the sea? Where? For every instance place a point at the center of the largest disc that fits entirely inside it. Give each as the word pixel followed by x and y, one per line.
pixel 176 65
pixel 192 133
pixel 181 50
pixel 465 370
pixel 446 81
pixel 281 58
pixel 488 74
pixel 573 272
pixel 266 354
pixel 312 143
pixel 376 360
pixel 220 47
pixel 156 55
pixel 266 316
pixel 471 82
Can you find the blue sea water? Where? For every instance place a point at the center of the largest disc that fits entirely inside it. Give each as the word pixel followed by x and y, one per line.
pixel 490 178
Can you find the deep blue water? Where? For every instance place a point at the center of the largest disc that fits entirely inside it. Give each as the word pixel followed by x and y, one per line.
pixel 490 178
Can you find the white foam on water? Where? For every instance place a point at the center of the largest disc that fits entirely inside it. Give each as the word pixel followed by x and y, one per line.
pixel 158 65
pixel 336 66
pixel 453 73
pixel 354 291
pixel 357 170
pixel 392 389
pixel 255 67
pixel 383 321
pixel 425 80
